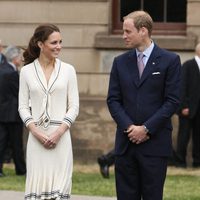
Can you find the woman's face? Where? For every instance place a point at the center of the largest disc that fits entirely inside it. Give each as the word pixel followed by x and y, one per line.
pixel 52 46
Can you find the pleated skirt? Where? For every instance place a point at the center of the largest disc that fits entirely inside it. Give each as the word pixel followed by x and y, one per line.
pixel 49 171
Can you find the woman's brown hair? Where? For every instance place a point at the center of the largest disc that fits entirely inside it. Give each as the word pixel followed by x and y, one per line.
pixel 41 33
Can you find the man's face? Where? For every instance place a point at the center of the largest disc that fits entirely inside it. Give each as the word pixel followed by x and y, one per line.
pixel 17 61
pixel 131 35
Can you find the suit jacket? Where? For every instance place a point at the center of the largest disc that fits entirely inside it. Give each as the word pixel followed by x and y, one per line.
pixel 190 87
pixel 3 59
pixel 9 88
pixel 150 101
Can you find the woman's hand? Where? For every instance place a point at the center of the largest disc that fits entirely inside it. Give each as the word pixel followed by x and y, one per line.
pixel 41 137
pixel 54 138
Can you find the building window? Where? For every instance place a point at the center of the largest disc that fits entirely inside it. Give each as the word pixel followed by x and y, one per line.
pixel 169 16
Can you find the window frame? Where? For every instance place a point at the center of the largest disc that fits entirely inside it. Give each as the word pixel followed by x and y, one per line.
pixel 158 29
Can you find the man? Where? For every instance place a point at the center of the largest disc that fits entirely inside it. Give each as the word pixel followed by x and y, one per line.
pixel 7 156
pixel 189 111
pixel 11 126
pixel 142 97
pixel 2 57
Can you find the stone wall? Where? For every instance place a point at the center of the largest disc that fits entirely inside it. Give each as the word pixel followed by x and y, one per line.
pixel 79 22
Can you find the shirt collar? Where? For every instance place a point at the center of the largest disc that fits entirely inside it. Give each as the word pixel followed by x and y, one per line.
pixel 147 51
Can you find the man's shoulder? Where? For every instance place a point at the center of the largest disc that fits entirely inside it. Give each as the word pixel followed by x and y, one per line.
pixel 6 68
pixel 125 55
pixel 165 52
pixel 189 62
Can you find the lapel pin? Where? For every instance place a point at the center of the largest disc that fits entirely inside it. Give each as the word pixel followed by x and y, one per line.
pixel 153 63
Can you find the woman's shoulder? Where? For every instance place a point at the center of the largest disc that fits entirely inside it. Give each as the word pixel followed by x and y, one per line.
pixel 66 66
pixel 27 67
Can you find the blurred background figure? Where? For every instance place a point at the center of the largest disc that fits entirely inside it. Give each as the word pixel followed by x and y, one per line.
pixel 11 126
pixel 105 161
pixel 189 112
pixel 7 156
pixel 2 57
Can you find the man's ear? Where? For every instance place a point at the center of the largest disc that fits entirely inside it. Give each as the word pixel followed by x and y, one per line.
pixel 143 31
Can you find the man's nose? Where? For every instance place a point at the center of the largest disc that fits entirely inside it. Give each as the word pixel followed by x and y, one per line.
pixel 124 36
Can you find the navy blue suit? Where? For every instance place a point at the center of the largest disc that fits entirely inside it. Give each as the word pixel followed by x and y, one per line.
pixel 11 125
pixel 190 98
pixel 151 101
pixel 3 59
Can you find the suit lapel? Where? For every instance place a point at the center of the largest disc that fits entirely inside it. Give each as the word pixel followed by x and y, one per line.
pixel 133 68
pixel 151 64
pixel 149 68
pixel 196 67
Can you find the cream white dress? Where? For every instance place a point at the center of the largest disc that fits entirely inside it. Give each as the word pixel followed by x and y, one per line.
pixel 49 171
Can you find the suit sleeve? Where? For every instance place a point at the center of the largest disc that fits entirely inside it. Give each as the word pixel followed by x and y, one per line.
pixel 171 98
pixel 114 100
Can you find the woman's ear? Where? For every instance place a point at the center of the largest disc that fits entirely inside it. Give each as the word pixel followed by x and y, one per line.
pixel 39 43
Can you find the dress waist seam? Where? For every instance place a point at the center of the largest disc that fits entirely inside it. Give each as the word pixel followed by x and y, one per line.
pixel 52 122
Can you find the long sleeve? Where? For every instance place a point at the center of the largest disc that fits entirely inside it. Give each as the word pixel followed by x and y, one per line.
pixel 72 99
pixel 24 107
pixel 115 101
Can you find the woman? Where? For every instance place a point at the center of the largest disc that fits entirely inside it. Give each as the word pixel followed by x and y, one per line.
pixel 50 87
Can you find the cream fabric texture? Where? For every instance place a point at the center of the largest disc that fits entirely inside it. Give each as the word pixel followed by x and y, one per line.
pixel 49 171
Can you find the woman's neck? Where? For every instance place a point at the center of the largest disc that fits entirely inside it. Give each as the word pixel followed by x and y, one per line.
pixel 45 62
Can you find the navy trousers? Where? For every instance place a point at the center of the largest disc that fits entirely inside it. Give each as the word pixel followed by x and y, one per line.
pixel 140 176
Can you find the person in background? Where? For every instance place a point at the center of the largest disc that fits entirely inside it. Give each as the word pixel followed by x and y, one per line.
pixel 2 57
pixel 143 94
pixel 105 161
pixel 50 86
pixel 11 126
pixel 8 153
pixel 189 112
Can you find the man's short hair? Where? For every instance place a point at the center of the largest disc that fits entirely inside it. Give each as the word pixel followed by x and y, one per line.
pixel 141 19
pixel 11 52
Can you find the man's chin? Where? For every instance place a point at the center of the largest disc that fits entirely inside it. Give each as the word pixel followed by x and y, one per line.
pixel 128 45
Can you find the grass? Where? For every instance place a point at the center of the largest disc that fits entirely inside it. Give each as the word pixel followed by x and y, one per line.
pixel 181 184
